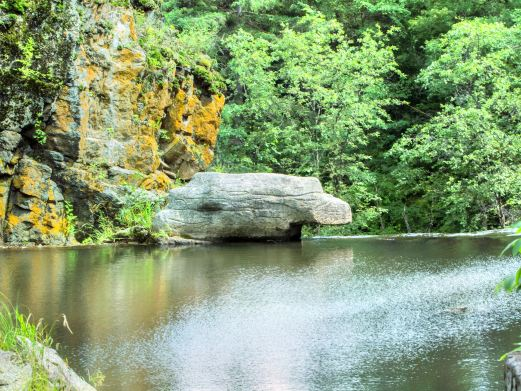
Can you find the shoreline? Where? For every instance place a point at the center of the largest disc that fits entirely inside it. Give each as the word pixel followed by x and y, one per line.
pixel 182 242
pixel 418 235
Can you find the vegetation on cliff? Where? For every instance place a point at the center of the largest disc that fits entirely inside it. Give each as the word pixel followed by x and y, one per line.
pixel 409 110
pixel 97 97
pixel 132 222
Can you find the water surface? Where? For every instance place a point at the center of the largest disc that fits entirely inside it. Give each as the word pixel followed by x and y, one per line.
pixel 328 314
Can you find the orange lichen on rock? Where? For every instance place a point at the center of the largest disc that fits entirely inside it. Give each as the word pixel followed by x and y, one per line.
pixel 128 19
pixel 34 212
pixel 192 124
pixel 5 186
pixel 141 155
pixel 116 116
pixel 207 119
pixel 156 181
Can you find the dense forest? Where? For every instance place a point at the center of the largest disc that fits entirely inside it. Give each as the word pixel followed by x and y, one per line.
pixel 409 110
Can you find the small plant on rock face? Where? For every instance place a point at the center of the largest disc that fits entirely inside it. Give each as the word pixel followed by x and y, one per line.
pixel 70 219
pixel 110 132
pixel 512 283
pixel 39 133
pixel 163 135
pixel 97 168
pixel 27 72
pixel 40 136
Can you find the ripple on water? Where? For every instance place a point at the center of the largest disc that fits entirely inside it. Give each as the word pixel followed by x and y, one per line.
pixel 324 328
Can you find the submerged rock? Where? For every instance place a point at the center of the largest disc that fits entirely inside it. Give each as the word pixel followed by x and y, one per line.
pixel 216 206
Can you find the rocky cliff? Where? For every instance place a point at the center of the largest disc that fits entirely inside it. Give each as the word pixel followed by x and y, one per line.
pixel 87 108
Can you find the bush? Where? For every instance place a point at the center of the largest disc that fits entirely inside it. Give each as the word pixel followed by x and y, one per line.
pixel 146 5
pixel 133 221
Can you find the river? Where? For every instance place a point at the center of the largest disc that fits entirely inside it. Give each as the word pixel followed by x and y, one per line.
pixel 329 314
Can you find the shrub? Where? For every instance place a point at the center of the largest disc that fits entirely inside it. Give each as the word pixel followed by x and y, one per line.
pixel 133 221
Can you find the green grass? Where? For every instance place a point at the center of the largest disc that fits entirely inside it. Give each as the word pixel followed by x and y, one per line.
pixel 20 335
pixel 15 325
pixel 15 329
pixel 133 221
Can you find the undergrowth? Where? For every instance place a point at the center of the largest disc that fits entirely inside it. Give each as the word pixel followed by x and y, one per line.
pixel 21 335
pixel 15 329
pixel 133 221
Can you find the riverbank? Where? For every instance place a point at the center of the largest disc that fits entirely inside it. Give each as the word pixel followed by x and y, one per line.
pixel 175 241
pixel 492 233
pixel 28 360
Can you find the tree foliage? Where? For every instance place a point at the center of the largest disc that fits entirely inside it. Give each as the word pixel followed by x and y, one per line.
pixel 465 159
pixel 410 110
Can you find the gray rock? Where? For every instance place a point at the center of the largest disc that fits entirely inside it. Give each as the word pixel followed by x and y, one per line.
pixel 56 157
pixel 14 376
pixel 59 373
pixel 513 372
pixel 9 140
pixel 216 206
pixel 121 172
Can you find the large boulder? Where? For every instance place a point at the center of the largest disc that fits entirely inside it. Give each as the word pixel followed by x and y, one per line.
pixel 216 206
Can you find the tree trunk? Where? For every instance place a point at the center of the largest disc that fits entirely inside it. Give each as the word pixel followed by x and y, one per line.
pixel 406 219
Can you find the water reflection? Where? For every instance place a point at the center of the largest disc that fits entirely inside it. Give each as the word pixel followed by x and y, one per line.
pixel 330 314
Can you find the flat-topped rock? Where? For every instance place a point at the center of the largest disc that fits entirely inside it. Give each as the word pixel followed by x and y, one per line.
pixel 216 206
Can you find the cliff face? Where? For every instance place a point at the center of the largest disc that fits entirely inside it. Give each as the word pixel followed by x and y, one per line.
pixel 82 114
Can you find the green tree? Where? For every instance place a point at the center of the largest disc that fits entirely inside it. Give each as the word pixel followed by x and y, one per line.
pixel 310 102
pixel 310 91
pixel 465 161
